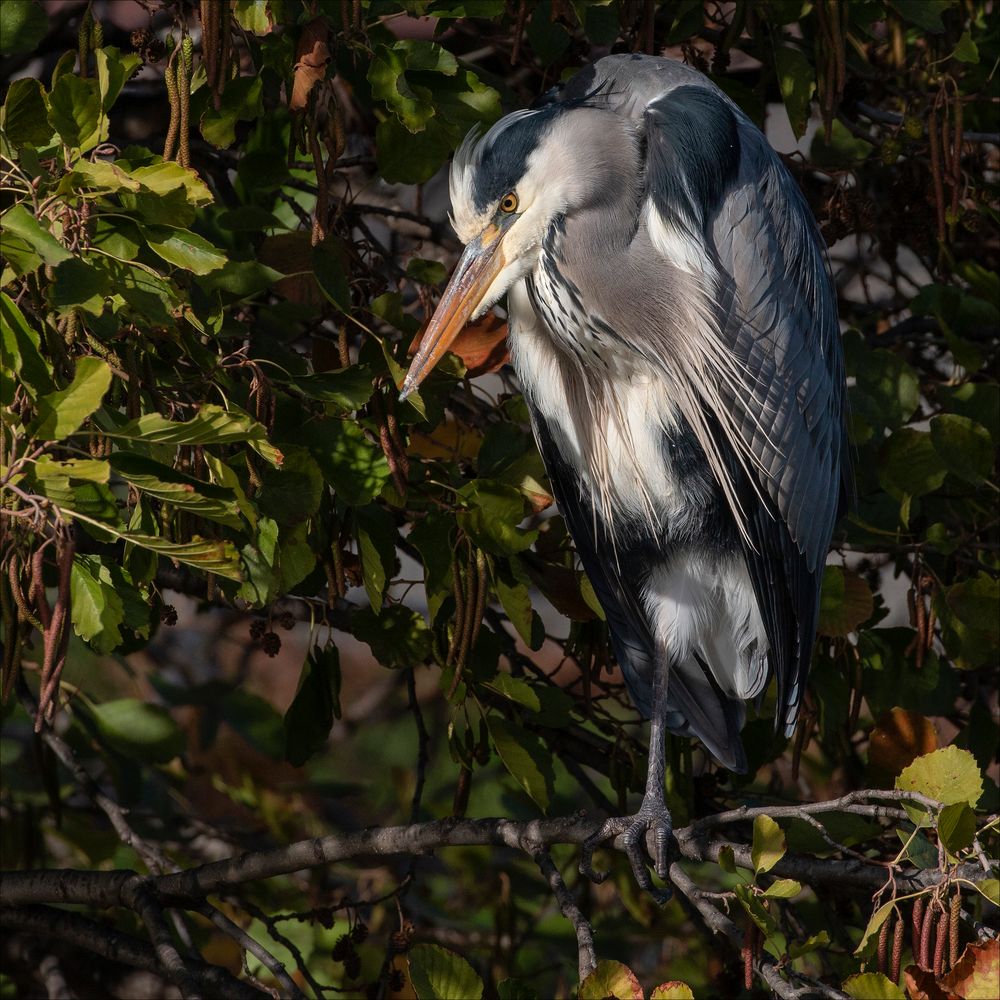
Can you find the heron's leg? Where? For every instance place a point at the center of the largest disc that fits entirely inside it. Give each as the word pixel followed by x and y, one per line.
pixel 653 815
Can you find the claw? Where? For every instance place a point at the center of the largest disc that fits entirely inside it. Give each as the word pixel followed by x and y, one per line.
pixel 652 817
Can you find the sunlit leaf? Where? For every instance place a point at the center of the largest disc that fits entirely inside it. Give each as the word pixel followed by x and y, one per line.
pixel 610 979
pixel 439 974
pixel 768 846
pixel 948 775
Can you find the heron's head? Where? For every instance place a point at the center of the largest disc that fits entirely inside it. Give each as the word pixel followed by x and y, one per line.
pixel 507 188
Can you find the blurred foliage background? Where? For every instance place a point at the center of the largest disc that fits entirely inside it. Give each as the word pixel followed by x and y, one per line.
pixel 261 600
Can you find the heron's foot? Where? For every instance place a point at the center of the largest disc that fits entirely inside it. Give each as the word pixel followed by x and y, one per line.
pixel 652 817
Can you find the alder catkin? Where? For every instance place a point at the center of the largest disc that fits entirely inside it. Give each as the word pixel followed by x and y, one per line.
pixel 897 948
pixel 954 930
pixel 918 924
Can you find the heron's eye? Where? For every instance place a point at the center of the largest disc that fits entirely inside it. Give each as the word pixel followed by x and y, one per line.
pixel 508 203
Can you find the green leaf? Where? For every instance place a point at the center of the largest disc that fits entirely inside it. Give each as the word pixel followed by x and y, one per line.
pixel 355 466
pixel 610 979
pixel 812 943
pixel 25 116
pixel 330 263
pixel 515 598
pixel 292 493
pixel 78 285
pixel 966 50
pixel 727 860
pixel 97 610
pixel 845 602
pixel 100 176
pixel 439 974
pixel 517 690
pixel 377 548
pixel 924 14
pixel 872 986
pixel 178 488
pixel 948 775
pixel 755 909
pixel 19 221
pixel 114 70
pixel 210 425
pixel 75 112
pixel 60 413
pixel 495 511
pixel 347 388
pixel 137 729
pixel 433 539
pixel 398 637
pixel 525 757
pixel 548 38
pixel 990 888
pixel 957 827
pixel 185 249
pixel 253 15
pixel 241 101
pixel 797 82
pixel 970 620
pixel 878 918
pixel 910 465
pixel 782 888
pixel 768 844
pixel 23 25
pixel 89 469
pixel 316 704
pixel 20 350
pixel 167 177
pixel 964 447
pixel 205 554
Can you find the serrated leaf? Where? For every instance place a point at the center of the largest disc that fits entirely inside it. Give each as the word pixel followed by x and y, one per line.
pixel 525 758
pixel 140 730
pixel 845 602
pixel 377 548
pixel 20 350
pixel 61 413
pixel 963 446
pixel 768 844
pixel 783 888
pixel 75 112
pixel 25 120
pixel 185 249
pixel 948 775
pixel 755 909
pixel 674 990
pixel 349 388
pixel 990 888
pixel 872 986
pixel 439 974
pixel 957 827
pixel 97 610
pixel 493 517
pixel 178 488
pixel 812 943
pixel 398 636
pixel 874 925
pixel 517 690
pixel 210 425
pixel 610 979
pixel 797 82
pixel 316 704
pixel 976 974
pixel 19 221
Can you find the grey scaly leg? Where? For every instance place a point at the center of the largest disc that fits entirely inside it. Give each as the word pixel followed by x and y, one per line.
pixel 653 814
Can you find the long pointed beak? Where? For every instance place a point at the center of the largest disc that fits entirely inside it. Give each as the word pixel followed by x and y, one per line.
pixel 482 261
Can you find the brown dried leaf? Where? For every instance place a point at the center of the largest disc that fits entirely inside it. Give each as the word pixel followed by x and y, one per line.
pixel 311 59
pixel 899 737
pixel 481 345
pixel 921 985
pixel 977 974
pixel 291 254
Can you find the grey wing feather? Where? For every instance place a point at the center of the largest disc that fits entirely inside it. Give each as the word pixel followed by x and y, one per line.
pixel 711 172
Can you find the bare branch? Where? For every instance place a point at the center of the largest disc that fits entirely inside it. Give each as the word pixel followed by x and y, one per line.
pixel 587 955
pixel 102 939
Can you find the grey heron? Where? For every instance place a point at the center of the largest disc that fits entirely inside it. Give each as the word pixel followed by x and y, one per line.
pixel 674 330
